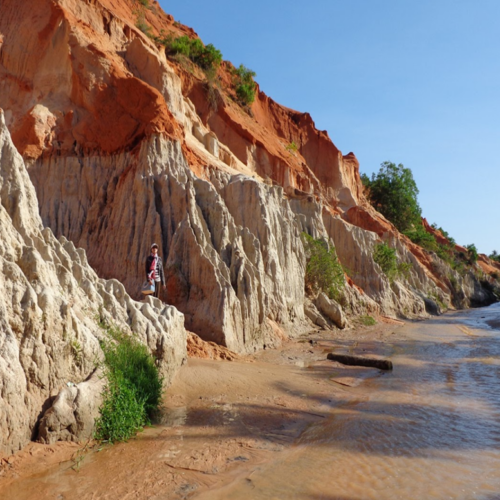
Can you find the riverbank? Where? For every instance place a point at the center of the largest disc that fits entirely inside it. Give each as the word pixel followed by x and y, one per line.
pixel 222 419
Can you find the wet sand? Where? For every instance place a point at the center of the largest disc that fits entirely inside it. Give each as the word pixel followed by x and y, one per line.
pixel 221 420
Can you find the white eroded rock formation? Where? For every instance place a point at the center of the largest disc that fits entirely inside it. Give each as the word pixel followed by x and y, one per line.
pixel 233 256
pixel 49 334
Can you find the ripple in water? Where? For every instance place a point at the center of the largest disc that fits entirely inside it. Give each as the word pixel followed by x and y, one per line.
pixel 429 430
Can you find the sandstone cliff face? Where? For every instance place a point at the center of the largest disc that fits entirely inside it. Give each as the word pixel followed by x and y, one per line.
pixel 242 261
pixel 231 246
pixel 49 335
pixel 64 89
pixel 124 148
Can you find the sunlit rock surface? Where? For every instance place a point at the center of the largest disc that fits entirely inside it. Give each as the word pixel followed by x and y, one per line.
pixel 51 301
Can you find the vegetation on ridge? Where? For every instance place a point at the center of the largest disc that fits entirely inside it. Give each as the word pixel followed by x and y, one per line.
pixel 245 86
pixel 207 57
pixel 495 256
pixel 142 24
pixel 393 192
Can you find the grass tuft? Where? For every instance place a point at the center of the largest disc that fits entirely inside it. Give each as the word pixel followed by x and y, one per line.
pixel 324 271
pixel 367 320
pixel 133 390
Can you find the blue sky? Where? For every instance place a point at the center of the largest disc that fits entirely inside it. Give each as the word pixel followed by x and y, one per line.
pixel 412 82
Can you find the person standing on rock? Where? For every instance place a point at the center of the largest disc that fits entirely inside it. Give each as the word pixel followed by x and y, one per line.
pixel 154 270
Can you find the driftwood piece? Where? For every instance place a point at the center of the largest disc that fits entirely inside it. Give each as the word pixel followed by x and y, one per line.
pixel 345 359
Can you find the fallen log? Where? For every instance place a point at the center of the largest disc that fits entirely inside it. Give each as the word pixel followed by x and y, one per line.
pixel 345 359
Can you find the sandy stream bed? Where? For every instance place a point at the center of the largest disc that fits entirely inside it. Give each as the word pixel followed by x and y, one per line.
pixel 222 420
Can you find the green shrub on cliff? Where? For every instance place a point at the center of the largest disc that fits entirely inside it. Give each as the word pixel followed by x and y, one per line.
pixel 245 86
pixel 421 237
pixel 323 269
pixel 472 254
pixel 385 257
pixel 133 390
pixel 367 320
pixel 495 256
pixel 207 57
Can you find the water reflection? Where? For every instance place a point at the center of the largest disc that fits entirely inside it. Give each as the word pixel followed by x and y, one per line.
pixel 428 430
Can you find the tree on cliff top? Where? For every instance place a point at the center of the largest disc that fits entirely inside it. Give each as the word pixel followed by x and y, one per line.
pixel 393 192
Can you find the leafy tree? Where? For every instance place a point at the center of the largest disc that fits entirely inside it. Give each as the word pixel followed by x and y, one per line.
pixel 393 192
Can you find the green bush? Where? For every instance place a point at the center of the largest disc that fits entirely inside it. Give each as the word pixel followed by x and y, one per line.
pixel 393 192
pixel 421 237
pixel 385 257
pixel 180 45
pixel 122 413
pixel 206 57
pixel 245 86
pixel 404 269
pixel 426 240
pixel 472 254
pixel 446 252
pixel 459 262
pixel 323 269
pixel 134 388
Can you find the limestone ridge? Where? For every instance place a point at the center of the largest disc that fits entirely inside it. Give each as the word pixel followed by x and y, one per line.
pixel 49 336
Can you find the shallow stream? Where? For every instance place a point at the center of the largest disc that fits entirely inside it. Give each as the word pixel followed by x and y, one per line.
pixel 428 430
